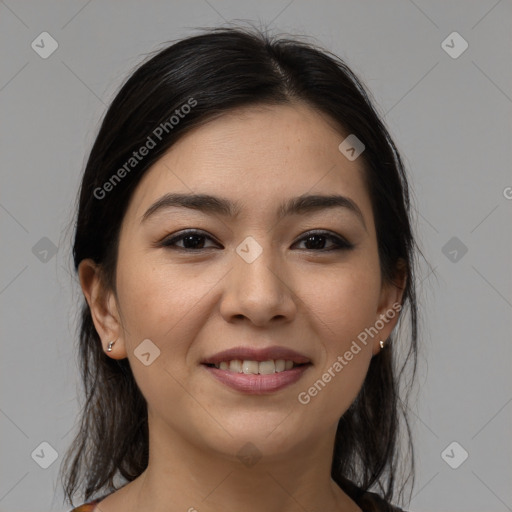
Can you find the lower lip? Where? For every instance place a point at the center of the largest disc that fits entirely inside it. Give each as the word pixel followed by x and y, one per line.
pixel 258 384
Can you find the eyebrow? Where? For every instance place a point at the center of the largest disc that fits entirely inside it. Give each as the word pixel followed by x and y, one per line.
pixel 206 203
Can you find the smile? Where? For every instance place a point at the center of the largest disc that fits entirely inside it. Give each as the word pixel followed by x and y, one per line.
pixel 255 367
pixel 257 371
pixel 253 378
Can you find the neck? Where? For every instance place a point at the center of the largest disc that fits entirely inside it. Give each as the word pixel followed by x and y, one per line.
pixel 184 477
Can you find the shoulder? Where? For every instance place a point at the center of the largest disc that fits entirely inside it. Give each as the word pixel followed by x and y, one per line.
pixel 89 506
pixel 372 502
pixel 368 501
pixel 86 507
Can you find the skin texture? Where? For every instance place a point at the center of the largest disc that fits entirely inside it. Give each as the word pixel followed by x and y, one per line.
pixel 195 304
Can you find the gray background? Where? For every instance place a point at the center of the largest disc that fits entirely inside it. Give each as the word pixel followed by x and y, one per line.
pixel 450 117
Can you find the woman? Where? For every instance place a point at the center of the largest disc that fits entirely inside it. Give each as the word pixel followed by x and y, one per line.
pixel 244 246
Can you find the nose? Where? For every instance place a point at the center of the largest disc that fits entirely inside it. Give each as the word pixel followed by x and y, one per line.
pixel 260 291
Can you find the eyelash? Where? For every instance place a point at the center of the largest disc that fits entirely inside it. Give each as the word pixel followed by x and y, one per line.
pixel 340 243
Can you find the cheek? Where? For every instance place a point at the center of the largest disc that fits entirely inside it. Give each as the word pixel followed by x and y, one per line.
pixel 346 302
pixel 343 307
pixel 159 301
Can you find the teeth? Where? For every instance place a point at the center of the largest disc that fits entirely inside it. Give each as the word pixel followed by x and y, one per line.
pixel 255 367
pixel 280 365
pixel 267 367
pixel 250 367
pixel 235 366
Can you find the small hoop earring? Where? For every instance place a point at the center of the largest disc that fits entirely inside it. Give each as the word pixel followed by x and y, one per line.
pixel 381 344
pixel 110 343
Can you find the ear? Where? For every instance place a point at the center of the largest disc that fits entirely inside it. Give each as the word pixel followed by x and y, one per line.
pixel 390 305
pixel 103 306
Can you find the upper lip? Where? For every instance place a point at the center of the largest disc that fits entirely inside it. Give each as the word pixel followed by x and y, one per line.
pixel 256 354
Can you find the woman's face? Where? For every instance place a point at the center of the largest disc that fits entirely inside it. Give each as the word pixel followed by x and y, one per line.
pixel 251 281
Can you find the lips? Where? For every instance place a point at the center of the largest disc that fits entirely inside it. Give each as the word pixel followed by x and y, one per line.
pixel 259 355
pixel 257 371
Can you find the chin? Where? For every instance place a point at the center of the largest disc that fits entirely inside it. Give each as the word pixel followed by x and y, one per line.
pixel 274 436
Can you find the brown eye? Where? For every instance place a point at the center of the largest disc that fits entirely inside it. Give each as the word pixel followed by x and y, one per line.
pixel 193 240
pixel 316 241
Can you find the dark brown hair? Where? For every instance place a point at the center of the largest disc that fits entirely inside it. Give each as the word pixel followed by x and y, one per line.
pixel 223 69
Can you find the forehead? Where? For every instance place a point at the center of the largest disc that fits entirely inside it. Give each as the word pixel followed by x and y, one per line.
pixel 257 156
